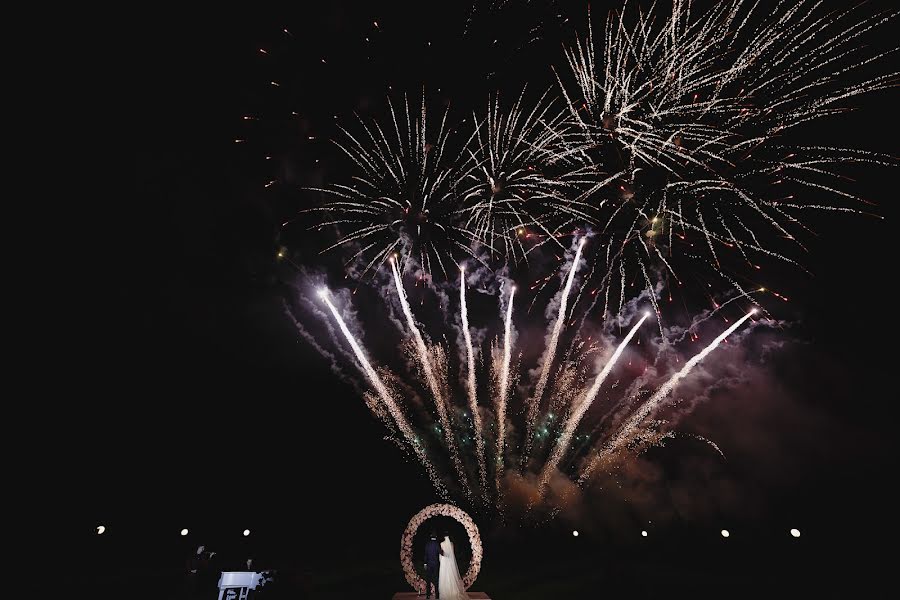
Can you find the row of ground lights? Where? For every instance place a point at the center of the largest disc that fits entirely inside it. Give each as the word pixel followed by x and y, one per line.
pixel 725 533
pixel 101 529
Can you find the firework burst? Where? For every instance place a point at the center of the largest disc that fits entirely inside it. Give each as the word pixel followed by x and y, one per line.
pixel 678 126
pixel 405 196
pixel 518 197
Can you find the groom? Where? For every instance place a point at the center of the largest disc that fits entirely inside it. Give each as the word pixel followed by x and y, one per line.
pixel 432 565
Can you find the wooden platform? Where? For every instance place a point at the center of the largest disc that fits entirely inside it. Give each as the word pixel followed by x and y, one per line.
pixel 414 596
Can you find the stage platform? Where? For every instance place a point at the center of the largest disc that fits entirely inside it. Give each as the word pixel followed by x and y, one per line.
pixel 414 596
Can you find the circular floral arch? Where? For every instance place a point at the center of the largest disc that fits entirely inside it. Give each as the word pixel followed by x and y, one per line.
pixel 445 510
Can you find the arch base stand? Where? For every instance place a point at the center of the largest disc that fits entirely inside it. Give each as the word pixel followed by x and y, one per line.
pixel 414 596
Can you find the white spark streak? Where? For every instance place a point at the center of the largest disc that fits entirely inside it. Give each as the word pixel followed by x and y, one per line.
pixel 431 380
pixel 471 385
pixel 387 398
pixel 535 401
pixel 575 418
pixel 628 430
pixel 503 396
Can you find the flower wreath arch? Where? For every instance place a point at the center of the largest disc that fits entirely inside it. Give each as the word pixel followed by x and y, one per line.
pixel 446 510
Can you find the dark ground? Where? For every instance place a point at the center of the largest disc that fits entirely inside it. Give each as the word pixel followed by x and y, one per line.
pixel 773 564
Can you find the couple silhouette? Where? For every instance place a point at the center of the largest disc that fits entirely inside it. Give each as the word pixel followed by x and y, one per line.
pixel 441 572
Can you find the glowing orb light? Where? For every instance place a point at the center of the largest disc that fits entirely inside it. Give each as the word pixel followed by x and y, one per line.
pixel 100 529
pixel 184 531
pixel 644 533
pixel 725 533
pixel 575 533
pixel 795 532
pixel 246 532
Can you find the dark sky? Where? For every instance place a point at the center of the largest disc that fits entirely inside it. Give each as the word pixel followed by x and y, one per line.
pixel 204 410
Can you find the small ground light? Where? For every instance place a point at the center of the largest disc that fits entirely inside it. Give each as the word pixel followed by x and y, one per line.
pixel 101 529
pixel 644 533
pixel 575 533
pixel 246 532
pixel 184 531
pixel 725 533
pixel 795 532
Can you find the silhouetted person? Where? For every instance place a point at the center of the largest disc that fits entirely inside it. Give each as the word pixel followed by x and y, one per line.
pixel 203 569
pixel 196 571
pixel 432 565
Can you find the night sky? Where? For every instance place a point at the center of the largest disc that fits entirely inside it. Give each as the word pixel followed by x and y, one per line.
pixel 204 408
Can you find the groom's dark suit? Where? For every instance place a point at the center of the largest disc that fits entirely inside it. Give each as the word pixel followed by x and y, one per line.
pixel 432 566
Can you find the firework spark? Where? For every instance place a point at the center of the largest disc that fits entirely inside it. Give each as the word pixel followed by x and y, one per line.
pixel 513 203
pixel 404 198
pixel 667 134
pixel 435 386
pixel 629 430
pixel 570 381
pixel 534 403
pixel 387 398
pixel 503 392
pixel 470 385
pixel 562 445
pixel 677 125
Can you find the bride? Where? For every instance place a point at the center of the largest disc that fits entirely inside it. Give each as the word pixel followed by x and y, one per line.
pixel 450 585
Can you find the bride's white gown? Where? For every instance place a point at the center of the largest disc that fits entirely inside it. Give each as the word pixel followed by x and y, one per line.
pixel 450 585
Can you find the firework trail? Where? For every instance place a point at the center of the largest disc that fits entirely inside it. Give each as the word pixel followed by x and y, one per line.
pixel 503 394
pixel 431 379
pixel 572 393
pixel 471 385
pixel 575 417
pixel 388 400
pixel 628 431
pixel 533 405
